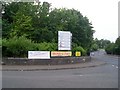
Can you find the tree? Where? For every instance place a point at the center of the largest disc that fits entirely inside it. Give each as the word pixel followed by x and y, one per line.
pixel 40 23
pixel 16 19
pixel 9 11
pixel 110 49
pixel 22 25
pixel 117 48
pixel 72 20
pixel 102 44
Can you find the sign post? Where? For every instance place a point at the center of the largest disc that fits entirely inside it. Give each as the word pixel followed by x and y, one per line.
pixel 64 40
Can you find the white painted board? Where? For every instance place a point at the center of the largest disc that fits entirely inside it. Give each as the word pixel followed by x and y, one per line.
pixel 38 54
pixel 64 40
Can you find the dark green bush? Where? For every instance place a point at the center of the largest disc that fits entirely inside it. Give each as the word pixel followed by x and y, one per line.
pixel 0 41
pixel 17 47
pixel 47 46
pixel 94 47
pixel 114 48
pixel 110 49
pixel 117 48
pixel 79 48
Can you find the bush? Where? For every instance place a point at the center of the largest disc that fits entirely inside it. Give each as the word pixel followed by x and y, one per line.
pixel 110 49
pixel 94 47
pixel 17 47
pixel 47 46
pixel 0 41
pixel 117 48
pixel 79 48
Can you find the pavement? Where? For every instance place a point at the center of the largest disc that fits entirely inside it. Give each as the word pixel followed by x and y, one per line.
pixel 92 63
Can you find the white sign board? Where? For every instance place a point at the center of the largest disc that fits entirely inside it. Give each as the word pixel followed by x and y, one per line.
pixel 38 54
pixel 64 40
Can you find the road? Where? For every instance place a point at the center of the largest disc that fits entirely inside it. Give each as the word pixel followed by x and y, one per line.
pixel 105 76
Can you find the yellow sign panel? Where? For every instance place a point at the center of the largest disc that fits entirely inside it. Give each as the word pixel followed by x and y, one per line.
pixel 61 53
pixel 77 53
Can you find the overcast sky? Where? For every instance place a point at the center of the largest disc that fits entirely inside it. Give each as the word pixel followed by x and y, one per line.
pixel 102 13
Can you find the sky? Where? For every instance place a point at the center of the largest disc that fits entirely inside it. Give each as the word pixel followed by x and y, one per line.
pixel 103 14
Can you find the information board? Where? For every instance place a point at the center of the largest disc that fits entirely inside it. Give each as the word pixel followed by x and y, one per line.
pixel 64 40
pixel 61 53
pixel 38 54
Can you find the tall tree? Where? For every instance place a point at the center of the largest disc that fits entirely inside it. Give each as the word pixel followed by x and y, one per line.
pixel 16 19
pixel 41 31
pixel 72 20
pixel 117 47
pixel 41 24
pixel 8 11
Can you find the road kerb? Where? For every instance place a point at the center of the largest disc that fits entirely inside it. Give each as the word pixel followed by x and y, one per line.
pixel 52 67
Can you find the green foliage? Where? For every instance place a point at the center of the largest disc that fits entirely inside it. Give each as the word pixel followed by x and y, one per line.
pixel 0 41
pixel 117 48
pixel 114 48
pixel 22 25
pixel 6 28
pixel 79 48
pixel 102 43
pixel 17 47
pixel 24 22
pixel 110 49
pixel 72 20
pixel 94 47
pixel 47 46
pixel 42 35
pixel 30 20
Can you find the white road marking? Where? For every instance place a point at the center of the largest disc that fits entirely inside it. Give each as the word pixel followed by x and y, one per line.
pixel 116 66
pixel 80 75
pixel 113 65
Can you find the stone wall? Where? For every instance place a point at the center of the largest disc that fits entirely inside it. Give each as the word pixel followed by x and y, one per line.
pixel 52 61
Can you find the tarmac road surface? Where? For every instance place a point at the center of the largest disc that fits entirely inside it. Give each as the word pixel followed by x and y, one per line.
pixel 104 76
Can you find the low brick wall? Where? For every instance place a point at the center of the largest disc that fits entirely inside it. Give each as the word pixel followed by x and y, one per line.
pixel 52 61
